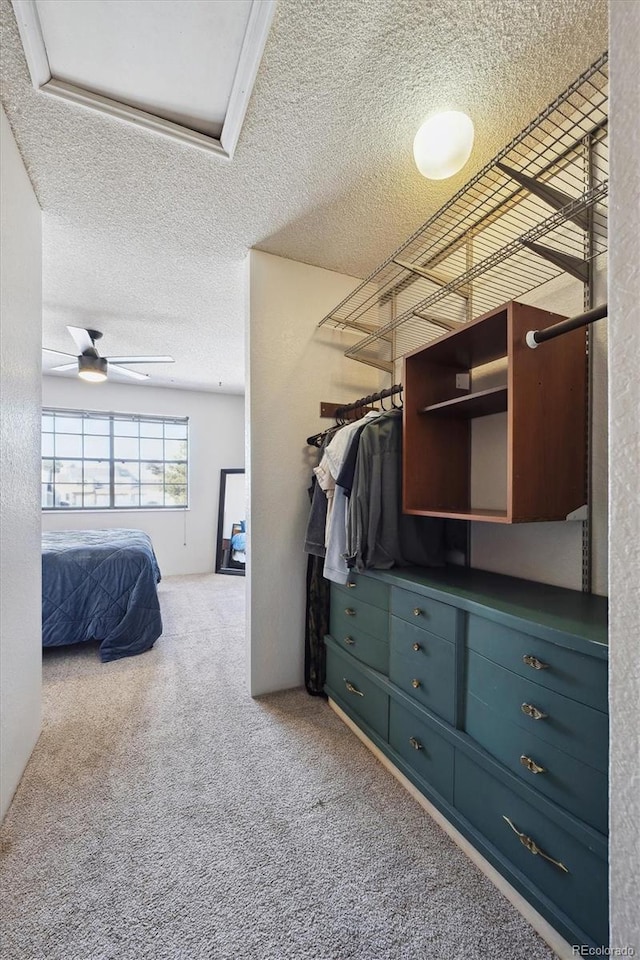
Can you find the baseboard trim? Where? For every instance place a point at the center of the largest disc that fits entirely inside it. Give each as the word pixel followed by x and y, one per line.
pixel 558 944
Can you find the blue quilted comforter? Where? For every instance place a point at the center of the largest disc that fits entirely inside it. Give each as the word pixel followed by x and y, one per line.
pixel 100 585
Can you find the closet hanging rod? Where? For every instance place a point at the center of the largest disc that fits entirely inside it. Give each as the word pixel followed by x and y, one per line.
pixel 367 401
pixel 536 337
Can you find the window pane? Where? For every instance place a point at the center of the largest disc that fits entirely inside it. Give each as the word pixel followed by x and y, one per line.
pixel 152 472
pixel 96 427
pixel 47 423
pixel 47 444
pixel 150 428
pixel 68 424
pixel 125 448
pixel 175 495
pixel 151 450
pixel 175 431
pixel 47 471
pixel 68 495
pixel 175 473
pixel 68 471
pixel 96 496
pixel 151 495
pixel 175 450
pixel 68 446
pixel 125 428
pixel 47 494
pixel 127 495
pixel 96 472
pixel 126 471
pixel 97 448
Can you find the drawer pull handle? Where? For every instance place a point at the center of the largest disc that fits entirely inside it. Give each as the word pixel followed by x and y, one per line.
pixel 349 612
pixel 533 847
pixel 416 647
pixel 417 612
pixel 351 585
pixel 350 687
pixel 532 661
pixel 415 743
pixel 531 765
pixel 415 684
pixel 533 712
pixel 349 641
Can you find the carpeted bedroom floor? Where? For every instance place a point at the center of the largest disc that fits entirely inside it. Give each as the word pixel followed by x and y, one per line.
pixel 165 814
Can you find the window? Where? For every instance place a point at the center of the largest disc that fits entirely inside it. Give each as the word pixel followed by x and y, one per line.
pixel 113 461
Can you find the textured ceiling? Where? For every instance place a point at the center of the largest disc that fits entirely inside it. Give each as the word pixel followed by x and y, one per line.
pixel 145 238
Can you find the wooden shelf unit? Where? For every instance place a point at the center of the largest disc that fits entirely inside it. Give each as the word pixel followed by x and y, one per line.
pixel 545 403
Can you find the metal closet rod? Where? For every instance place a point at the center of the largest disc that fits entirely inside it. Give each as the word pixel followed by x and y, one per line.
pixel 366 401
pixel 535 337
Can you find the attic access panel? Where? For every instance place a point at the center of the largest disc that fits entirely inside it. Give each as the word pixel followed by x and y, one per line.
pixel 185 70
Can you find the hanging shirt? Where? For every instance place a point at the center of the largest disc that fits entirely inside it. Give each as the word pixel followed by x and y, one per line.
pixel 335 565
pixel 378 533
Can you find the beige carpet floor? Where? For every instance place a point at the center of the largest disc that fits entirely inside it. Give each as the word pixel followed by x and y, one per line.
pixel 164 814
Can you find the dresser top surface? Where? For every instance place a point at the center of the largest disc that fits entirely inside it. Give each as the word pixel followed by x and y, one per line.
pixel 553 613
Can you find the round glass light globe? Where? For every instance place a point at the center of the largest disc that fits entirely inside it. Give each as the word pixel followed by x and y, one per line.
pixel 443 144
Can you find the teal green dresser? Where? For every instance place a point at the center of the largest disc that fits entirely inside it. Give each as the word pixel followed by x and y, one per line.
pixel 490 695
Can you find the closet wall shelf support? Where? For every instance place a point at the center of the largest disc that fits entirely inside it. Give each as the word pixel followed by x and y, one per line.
pixel 574 266
pixel 556 199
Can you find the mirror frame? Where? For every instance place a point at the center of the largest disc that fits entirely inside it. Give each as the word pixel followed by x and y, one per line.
pixel 232 571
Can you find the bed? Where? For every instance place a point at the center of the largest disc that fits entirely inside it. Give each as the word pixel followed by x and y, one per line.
pixel 100 585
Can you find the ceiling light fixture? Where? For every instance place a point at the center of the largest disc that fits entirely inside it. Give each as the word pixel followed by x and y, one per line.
pixel 92 369
pixel 443 144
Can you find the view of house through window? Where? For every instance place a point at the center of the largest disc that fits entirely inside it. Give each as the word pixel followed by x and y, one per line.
pixel 94 460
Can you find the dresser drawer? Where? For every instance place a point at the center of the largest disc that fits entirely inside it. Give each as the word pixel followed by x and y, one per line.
pixel 568 672
pixel 570 726
pixel 422 749
pixel 431 615
pixel 581 892
pixel 369 590
pixel 423 665
pixel 347 684
pixel 568 782
pixel 366 649
pixel 349 613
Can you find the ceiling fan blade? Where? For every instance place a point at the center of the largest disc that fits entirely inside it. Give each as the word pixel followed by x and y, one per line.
pixel 129 373
pixel 140 359
pixel 81 338
pixel 57 353
pixel 66 366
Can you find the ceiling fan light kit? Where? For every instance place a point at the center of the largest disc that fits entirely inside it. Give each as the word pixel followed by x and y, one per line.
pixel 93 368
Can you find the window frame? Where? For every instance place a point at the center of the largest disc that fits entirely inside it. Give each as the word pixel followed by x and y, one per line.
pixel 112 418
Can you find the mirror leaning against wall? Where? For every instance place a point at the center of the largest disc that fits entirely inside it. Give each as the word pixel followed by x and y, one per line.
pixel 232 527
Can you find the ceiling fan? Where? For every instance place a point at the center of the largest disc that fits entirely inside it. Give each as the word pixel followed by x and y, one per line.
pixel 91 366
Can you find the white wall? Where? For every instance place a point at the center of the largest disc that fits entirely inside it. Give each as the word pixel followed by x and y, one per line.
pixel 624 505
pixel 20 629
pixel 184 541
pixel 292 366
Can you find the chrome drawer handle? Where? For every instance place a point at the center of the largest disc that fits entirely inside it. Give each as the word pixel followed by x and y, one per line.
pixel 416 647
pixel 415 684
pixel 350 687
pixel 351 585
pixel 533 847
pixel 417 612
pixel 532 661
pixel 349 612
pixel 415 743
pixel 533 712
pixel 531 765
pixel 349 641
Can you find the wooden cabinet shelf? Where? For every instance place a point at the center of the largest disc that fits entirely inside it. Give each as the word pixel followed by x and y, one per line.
pixel 541 419
pixel 480 404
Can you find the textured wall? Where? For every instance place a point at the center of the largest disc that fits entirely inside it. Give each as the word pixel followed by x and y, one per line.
pixel 624 446
pixel 20 632
pixel 184 542
pixel 292 366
